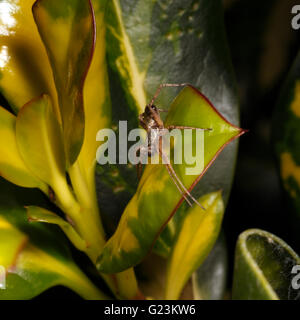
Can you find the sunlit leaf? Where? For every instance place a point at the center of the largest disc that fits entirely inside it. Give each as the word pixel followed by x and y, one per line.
pixel 36 257
pixel 12 166
pixel 199 231
pixel 263 268
pixel 25 71
pixel 39 141
pixel 157 197
pixel 67 29
pixel 97 106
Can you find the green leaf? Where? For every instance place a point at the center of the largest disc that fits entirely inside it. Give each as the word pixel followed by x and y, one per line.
pixel 199 232
pixel 122 49
pixel 97 108
pixel 36 214
pixel 39 141
pixel 209 281
pixel 36 257
pixel 263 267
pixel 153 42
pixel 25 71
pixel 286 139
pixel 97 104
pixel 12 166
pixel 67 29
pixel 157 197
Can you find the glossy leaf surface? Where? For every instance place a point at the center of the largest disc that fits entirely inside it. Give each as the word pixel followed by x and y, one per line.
pixel 39 141
pixel 97 105
pixel 24 67
pixel 12 166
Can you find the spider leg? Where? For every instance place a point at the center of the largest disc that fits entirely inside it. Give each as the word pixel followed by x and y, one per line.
pixel 159 149
pixel 186 127
pixel 162 110
pixel 164 85
pixel 139 169
pixel 175 177
pixel 176 184
pixel 139 166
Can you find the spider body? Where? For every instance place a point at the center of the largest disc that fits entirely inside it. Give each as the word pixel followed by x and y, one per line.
pixel 150 120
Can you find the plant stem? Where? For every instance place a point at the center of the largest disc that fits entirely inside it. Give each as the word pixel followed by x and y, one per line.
pixel 124 284
pixel 84 196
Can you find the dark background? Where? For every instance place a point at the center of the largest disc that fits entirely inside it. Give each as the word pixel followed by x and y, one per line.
pixel 263 46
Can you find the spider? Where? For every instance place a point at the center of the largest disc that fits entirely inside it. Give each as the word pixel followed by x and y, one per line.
pixel 151 121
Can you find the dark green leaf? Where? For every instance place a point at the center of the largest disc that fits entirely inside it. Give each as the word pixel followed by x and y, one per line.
pixel 263 268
